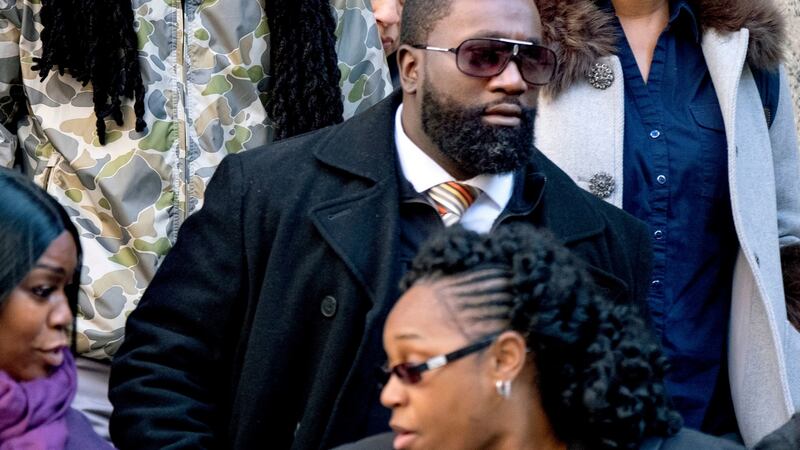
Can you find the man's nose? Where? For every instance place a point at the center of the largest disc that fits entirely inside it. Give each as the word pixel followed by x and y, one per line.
pixel 509 80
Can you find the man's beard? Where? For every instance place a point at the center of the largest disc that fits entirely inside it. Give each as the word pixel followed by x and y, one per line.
pixel 474 146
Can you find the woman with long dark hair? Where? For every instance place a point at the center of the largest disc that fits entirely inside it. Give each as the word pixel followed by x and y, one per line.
pixel 39 262
pixel 123 109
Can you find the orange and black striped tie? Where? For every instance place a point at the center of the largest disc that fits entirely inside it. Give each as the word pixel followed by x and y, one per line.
pixel 451 199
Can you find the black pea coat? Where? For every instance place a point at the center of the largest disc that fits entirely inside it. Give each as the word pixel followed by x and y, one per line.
pixel 248 335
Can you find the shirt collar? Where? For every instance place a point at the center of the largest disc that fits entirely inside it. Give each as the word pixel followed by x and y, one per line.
pixel 681 13
pixel 424 173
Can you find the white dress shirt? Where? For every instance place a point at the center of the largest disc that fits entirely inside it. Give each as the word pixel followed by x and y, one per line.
pixel 423 173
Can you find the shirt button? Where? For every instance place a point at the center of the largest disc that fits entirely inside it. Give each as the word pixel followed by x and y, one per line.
pixel 661 179
pixel 656 284
pixel 658 234
pixel 655 134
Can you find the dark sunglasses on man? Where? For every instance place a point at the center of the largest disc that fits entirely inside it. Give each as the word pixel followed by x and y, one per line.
pixel 488 57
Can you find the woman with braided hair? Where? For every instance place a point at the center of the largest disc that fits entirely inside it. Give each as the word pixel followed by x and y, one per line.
pixel 502 342
pixel 123 109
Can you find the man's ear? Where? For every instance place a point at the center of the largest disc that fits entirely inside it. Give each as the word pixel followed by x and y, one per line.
pixel 509 354
pixel 408 65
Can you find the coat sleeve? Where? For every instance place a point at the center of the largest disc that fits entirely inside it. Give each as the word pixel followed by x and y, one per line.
pixel 10 79
pixel 172 371
pixel 786 160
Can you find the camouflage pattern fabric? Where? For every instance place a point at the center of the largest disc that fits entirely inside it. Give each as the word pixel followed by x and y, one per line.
pixel 792 10
pixel 129 197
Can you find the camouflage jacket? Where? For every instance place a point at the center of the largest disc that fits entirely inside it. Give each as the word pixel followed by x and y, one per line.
pixel 129 197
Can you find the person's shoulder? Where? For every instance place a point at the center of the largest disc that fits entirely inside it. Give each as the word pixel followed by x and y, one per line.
pixel 287 151
pixel 377 442
pixel 763 21
pixel 337 142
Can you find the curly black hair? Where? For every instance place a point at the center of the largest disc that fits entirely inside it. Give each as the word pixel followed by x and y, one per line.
pixel 600 372
pixel 95 42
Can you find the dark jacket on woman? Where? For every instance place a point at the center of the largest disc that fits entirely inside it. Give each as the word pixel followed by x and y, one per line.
pixel 686 439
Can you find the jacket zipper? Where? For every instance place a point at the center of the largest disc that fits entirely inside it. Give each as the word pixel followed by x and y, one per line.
pixel 48 171
pixel 183 160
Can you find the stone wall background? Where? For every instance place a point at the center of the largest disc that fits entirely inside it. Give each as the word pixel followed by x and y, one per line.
pixel 792 10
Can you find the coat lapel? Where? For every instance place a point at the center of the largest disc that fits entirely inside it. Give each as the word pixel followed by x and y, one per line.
pixel 361 225
pixel 361 229
pixel 725 56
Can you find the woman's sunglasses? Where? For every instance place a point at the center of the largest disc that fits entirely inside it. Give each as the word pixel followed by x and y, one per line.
pixel 409 373
pixel 488 57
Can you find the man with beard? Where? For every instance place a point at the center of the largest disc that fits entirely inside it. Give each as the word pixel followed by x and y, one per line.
pixel 274 339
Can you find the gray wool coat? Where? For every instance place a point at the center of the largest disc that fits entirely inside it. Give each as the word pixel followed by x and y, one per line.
pixel 581 130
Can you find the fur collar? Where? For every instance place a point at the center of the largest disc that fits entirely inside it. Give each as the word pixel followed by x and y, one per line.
pixel 580 32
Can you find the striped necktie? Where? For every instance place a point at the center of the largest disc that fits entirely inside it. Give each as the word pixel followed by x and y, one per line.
pixel 451 199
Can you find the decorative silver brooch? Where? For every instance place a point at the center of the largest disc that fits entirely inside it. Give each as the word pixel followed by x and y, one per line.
pixel 600 76
pixel 602 184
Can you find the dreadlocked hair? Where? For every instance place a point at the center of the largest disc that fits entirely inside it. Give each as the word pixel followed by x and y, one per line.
pixel 599 372
pixel 304 93
pixel 94 41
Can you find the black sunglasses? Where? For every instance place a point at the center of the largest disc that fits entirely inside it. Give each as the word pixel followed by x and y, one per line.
pixel 409 373
pixel 488 57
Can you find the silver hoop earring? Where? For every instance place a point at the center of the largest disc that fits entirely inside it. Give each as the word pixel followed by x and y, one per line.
pixel 503 388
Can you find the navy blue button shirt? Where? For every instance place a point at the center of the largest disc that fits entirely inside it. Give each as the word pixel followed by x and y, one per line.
pixel 675 179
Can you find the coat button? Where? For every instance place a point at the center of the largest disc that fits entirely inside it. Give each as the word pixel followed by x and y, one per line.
pixel 602 185
pixel 600 76
pixel 328 306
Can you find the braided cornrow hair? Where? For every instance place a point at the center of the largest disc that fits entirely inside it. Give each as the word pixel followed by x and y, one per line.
pixel 599 371
pixel 95 42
